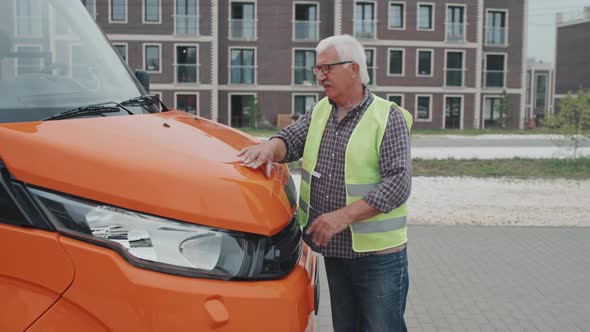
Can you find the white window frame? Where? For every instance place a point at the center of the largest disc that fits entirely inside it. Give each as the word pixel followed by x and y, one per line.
pixel 111 13
pixel 126 49
pixel 16 46
pixel 463 69
pixel 144 45
pixel 462 111
pixel 176 15
pixel 301 95
pixel 318 22
pixel 418 50
pixel 485 70
pixel 430 110
pixel 188 93
pixel 229 95
pixel 389 74
pixel 374 49
pixel 143 11
pixel 16 32
pixel 404 10
pixel 255 48
pixel 488 26
pixel 355 19
pixel 175 64
pixel 483 117
pixel 433 18
pixel 464 5
pixel 401 95
pixel 229 19
pixel 293 51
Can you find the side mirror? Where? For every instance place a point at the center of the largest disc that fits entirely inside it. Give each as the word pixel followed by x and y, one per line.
pixel 144 79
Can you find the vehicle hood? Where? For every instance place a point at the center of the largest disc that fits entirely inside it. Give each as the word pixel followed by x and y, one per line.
pixel 171 164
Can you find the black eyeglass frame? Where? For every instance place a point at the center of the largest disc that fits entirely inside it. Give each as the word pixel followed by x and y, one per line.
pixel 316 69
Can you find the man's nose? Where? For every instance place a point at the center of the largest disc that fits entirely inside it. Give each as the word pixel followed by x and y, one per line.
pixel 320 76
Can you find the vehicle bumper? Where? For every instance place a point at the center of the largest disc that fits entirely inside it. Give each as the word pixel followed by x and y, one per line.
pixel 110 294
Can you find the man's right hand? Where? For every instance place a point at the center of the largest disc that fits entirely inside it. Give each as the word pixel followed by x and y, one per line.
pixel 256 155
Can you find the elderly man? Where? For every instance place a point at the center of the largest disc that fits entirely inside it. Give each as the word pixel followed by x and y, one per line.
pixel 355 181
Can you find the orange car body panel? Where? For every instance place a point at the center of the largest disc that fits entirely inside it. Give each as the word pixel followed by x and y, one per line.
pixel 166 164
pixel 120 297
pixel 34 272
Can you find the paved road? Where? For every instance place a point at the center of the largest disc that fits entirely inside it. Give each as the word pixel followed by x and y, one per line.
pixel 474 278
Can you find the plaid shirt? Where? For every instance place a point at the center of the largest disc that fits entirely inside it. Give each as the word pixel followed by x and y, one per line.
pixel 328 192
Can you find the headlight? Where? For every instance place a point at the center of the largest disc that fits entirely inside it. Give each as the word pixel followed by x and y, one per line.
pixel 171 246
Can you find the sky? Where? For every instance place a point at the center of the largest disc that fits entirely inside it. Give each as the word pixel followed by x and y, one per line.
pixel 541 25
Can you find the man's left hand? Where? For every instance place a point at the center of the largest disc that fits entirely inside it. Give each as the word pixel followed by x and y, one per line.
pixel 324 227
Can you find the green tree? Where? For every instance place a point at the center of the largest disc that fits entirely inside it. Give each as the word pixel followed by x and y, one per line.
pixel 254 114
pixel 573 118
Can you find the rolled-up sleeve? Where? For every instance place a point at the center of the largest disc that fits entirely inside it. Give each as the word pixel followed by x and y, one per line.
pixel 294 137
pixel 395 166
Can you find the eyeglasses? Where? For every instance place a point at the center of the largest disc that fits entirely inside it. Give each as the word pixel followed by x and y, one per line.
pixel 325 68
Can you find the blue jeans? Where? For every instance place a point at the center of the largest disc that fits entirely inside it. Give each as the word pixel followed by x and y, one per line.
pixel 368 293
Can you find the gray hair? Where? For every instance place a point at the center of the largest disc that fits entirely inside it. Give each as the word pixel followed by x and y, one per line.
pixel 348 49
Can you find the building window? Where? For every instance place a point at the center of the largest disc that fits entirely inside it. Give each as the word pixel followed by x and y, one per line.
pixel 151 11
pixel 453 107
pixel 370 54
pixel 396 16
pixel 496 31
pixel 364 22
pixel 186 64
pixel 28 60
pixel 424 63
pixel 396 62
pixel 152 58
pixel 242 66
pixel 304 103
pixel 28 17
pixel 121 50
pixel 243 21
pixel 541 91
pixel 397 99
pixel 456 23
pixel 491 114
pixel 494 71
pixel 306 25
pixel 90 7
pixel 454 69
pixel 186 18
pixel 423 107
pixel 425 17
pixel 118 10
pixel 302 73
pixel 187 103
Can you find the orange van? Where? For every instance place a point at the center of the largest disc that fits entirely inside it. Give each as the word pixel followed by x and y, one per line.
pixel 117 214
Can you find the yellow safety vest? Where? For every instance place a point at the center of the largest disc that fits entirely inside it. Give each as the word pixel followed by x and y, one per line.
pixel 361 174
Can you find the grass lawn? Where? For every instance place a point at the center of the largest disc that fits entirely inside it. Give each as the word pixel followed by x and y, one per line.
pixel 522 168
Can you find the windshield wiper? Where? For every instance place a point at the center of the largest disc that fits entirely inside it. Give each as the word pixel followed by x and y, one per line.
pixel 145 101
pixel 98 109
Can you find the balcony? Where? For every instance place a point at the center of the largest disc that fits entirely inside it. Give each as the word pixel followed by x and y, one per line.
pixel 242 29
pixel 494 78
pixel 496 36
pixel 186 73
pixel 306 30
pixel 187 24
pixel 454 77
pixel 364 29
pixel 455 32
pixel 303 76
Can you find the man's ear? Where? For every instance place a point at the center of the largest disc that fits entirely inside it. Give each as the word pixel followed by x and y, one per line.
pixel 356 69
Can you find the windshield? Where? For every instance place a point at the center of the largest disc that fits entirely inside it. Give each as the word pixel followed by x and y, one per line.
pixel 53 58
